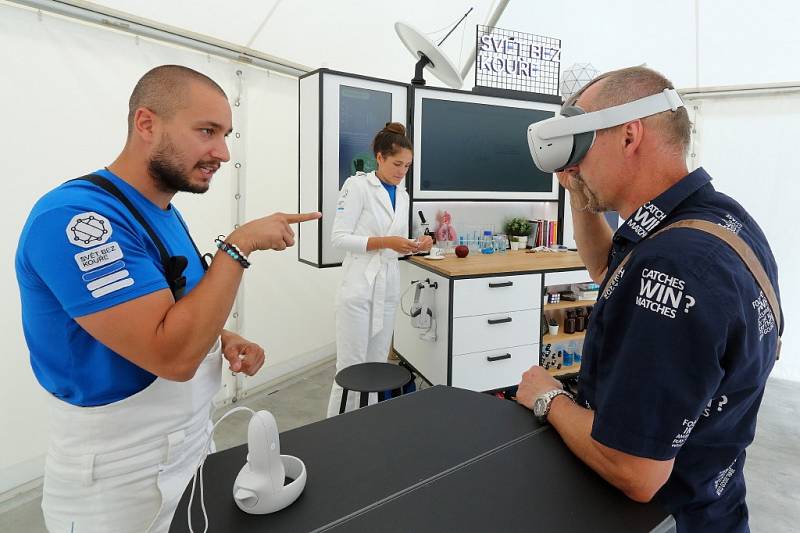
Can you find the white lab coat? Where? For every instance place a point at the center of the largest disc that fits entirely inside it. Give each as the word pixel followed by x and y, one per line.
pixel 370 290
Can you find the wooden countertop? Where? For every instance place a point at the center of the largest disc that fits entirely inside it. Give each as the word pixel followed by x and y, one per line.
pixel 476 263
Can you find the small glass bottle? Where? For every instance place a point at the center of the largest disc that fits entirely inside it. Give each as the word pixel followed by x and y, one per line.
pixel 569 322
pixel 580 319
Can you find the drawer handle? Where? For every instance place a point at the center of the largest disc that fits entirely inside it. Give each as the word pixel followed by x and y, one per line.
pixel 499 321
pixel 498 357
pixel 503 284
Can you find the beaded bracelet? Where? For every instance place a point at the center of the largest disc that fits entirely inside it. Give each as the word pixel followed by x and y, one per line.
pixel 232 250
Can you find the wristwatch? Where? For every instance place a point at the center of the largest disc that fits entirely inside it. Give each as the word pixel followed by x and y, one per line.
pixel 541 406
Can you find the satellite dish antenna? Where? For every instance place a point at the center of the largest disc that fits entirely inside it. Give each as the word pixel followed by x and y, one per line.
pixel 429 55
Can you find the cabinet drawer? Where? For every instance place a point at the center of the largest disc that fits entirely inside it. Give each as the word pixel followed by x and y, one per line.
pixel 488 332
pixel 494 369
pixel 569 276
pixel 481 296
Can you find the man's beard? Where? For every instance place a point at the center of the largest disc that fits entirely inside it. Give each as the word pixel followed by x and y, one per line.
pixel 170 175
pixel 592 203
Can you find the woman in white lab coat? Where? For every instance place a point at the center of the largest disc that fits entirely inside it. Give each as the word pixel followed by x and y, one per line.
pixel 371 225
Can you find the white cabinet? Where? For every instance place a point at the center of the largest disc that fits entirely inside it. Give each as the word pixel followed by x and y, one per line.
pixel 493 369
pixel 480 296
pixel 495 331
pixel 568 276
pixel 495 324
pixel 488 326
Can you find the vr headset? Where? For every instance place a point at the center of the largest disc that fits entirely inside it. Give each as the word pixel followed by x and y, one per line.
pixel 562 141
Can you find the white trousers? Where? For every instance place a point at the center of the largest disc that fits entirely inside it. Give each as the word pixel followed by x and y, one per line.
pixel 354 344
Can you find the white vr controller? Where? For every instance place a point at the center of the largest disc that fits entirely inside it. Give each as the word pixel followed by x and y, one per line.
pixel 562 141
pixel 260 486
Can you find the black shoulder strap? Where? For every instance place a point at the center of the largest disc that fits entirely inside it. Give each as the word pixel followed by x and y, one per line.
pixel 112 189
pixel 173 265
pixel 202 257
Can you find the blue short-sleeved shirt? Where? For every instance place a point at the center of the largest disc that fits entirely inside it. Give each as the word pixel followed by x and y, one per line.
pixel 678 350
pixel 81 251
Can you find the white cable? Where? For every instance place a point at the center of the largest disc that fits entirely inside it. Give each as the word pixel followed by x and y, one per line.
pixel 408 314
pixel 200 469
pixel 445 28
pixel 461 50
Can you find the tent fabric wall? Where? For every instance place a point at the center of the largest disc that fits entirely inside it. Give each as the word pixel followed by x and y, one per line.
pixel 66 86
pixel 746 142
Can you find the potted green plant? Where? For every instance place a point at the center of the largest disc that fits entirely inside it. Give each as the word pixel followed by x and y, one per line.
pixel 518 230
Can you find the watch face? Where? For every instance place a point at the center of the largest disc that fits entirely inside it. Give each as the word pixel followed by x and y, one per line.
pixel 539 406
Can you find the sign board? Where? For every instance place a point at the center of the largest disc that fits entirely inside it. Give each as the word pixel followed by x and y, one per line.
pixel 508 59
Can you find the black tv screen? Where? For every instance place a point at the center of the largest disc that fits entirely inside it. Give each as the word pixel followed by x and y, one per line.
pixel 362 114
pixel 466 146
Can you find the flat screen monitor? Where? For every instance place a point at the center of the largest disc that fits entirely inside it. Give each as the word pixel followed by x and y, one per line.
pixel 470 146
pixel 362 114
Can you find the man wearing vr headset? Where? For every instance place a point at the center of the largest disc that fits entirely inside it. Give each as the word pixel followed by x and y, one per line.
pixel 684 335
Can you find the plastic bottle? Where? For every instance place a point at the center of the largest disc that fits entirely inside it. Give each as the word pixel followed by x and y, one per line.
pixel 567 356
pixel 572 348
pixel 487 244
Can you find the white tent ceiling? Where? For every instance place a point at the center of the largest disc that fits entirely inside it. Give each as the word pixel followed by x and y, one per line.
pixel 694 42
pixel 351 35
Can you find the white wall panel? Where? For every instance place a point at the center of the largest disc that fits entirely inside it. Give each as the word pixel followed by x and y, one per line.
pixel 747 144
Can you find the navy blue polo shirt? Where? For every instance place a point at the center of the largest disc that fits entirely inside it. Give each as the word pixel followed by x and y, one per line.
pixel 678 350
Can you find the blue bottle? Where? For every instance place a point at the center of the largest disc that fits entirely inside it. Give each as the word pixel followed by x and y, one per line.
pixel 487 243
pixel 575 355
pixel 567 356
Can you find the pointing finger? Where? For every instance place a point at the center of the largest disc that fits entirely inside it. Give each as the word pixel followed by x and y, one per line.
pixel 302 217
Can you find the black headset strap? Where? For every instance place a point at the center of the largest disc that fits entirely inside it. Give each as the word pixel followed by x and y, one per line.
pixel 112 189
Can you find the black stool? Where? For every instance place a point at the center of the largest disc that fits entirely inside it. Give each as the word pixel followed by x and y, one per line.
pixel 371 377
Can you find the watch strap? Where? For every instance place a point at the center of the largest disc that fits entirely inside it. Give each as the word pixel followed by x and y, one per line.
pixel 551 395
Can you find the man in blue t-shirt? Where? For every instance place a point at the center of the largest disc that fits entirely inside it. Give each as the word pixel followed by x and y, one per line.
pixel 682 339
pixel 123 318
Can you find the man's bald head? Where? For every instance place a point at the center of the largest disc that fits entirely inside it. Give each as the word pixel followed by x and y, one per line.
pixel 632 83
pixel 164 90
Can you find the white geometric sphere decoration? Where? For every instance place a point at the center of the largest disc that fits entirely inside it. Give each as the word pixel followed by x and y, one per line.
pixel 575 77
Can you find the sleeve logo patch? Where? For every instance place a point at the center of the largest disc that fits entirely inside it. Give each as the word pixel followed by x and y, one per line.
pixel 88 229
pixel 340 203
pixel 108 273
pixel 100 256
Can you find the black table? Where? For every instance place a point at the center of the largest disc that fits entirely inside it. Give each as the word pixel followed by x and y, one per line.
pixel 441 459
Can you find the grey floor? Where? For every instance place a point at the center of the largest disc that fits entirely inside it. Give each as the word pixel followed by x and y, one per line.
pixel 772 469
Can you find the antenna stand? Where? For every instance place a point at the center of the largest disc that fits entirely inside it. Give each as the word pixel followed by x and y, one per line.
pixel 419 68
